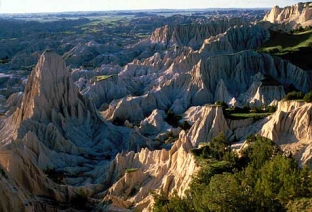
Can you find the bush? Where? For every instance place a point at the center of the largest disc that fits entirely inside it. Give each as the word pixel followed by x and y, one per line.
pixel 222 104
pixel 294 95
pixel 217 148
pixel 131 170
pixel 308 97
pixel 163 204
pixel 271 109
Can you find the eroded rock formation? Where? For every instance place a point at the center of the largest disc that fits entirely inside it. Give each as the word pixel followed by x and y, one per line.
pixel 58 125
pixel 291 128
pixel 294 16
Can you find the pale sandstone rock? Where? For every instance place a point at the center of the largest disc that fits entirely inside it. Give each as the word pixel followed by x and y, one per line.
pixel 273 14
pixel 55 126
pixel 12 198
pixel 154 124
pixel 291 128
pixel 222 94
pixel 14 101
pixel 180 78
pixel 292 16
pixel 157 169
pixel 258 94
pixel 209 124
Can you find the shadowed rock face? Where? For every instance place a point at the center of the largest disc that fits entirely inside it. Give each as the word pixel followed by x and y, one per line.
pixel 191 35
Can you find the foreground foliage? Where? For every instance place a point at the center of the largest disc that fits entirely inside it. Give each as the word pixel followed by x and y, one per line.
pixel 263 178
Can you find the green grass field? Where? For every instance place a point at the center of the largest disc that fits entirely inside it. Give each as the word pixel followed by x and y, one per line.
pixel 249 115
pixel 285 42
pixel 296 47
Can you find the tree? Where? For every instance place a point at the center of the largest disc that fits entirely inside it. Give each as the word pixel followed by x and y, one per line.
pixel 163 204
pixel 218 146
pixel 225 194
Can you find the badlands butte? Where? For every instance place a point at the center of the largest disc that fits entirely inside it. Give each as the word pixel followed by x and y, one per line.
pixel 72 142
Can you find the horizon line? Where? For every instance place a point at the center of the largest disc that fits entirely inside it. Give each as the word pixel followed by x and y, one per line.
pixel 134 10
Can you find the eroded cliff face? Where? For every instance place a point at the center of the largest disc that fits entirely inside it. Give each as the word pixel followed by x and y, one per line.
pixel 235 78
pixel 233 40
pixel 191 35
pixel 56 126
pixel 13 198
pixel 220 71
pixel 291 128
pixel 294 16
pixel 168 170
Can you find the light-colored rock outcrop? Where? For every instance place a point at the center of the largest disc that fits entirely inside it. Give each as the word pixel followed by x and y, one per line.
pixel 13 198
pixel 154 124
pixel 180 78
pixel 293 16
pixel 260 94
pixel 14 101
pixel 55 126
pixel 159 169
pixel 291 128
pixel 209 123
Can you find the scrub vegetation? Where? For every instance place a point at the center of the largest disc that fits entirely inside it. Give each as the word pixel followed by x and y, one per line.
pixel 261 178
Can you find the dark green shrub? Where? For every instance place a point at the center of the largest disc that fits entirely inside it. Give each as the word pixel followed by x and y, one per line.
pixel 222 104
pixel 131 170
pixel 271 109
pixel 308 97
pixel 294 95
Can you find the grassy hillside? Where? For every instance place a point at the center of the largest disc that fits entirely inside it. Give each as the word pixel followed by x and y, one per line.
pixel 296 47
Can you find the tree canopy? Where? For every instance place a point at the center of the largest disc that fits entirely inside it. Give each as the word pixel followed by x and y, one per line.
pixel 263 178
